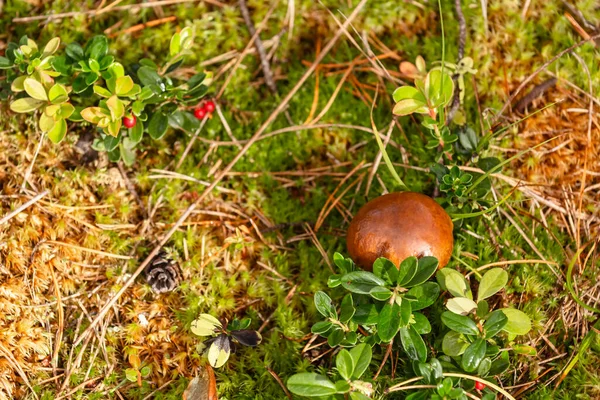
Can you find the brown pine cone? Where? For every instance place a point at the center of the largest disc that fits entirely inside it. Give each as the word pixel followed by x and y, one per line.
pixel 163 273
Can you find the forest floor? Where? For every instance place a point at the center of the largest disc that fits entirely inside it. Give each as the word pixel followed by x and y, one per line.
pixel 261 244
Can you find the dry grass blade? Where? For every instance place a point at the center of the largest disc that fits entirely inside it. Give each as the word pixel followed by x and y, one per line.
pixel 26 205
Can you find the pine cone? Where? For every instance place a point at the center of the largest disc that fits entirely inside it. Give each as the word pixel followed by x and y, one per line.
pixel 163 273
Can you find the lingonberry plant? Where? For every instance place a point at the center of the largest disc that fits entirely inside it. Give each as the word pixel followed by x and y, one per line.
pixel 227 337
pixel 391 306
pixel 86 85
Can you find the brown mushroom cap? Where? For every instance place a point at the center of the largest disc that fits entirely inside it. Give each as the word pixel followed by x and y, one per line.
pixel 397 226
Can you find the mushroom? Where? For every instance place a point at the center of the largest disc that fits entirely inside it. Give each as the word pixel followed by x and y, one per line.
pixel 397 226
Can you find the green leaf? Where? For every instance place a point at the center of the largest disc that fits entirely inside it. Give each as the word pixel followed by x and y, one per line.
pixel 407 270
pixel 499 365
pixel 25 105
pixel 361 356
pixel 461 305
pixel 405 312
pixel 459 323
pixel 127 153
pixel 148 77
pixel 454 344
pixel 347 309
pixel 426 294
pixel 484 367
pixel 380 293
pixel 491 282
pixel 35 89
pixel 311 385
pixel 175 45
pixel 421 323
pixel 386 270
pixel 205 325
pixel 58 94
pixel 74 51
pixel 158 125
pixel 358 396
pixel 196 81
pixel 97 47
pixel 94 65
pixel 335 336
pixel 342 386
pixel 321 327
pixel 413 344
pixel 518 322
pixel 58 131
pixel 186 37
pixel 438 88
pixel 325 305
pixel 473 355
pixel 482 308
pixel 131 374
pixel 361 282
pixel 406 92
pixel 123 85
pixel 409 106
pixel 525 350
pixel 5 63
pixel 390 319
pixel 345 364
pixel 454 282
pixel 366 314
pixel 494 324
pixel 426 267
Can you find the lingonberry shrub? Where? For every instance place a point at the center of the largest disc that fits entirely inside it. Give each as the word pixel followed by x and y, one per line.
pixel 85 85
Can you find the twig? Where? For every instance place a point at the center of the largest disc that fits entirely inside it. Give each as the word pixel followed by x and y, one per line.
pixel 262 54
pixel 534 94
pixel 8 216
pixel 537 71
pixel 280 382
pixel 121 8
pixel 143 26
pixel 264 63
pixel 462 40
pixel 107 307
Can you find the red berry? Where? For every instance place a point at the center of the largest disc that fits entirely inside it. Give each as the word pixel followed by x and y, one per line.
pixel 479 386
pixel 200 112
pixel 209 106
pixel 130 121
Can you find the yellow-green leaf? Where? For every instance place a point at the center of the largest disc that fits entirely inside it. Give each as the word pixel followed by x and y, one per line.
pixel 461 305
pixel 17 84
pixel 100 91
pixel 51 46
pixel 518 322
pixel 114 127
pixel 175 44
pixel 116 107
pixel 205 325
pixel 58 132
pixel 93 114
pixel 66 110
pixel 46 122
pixel 124 85
pixel 219 351
pixel 51 110
pixel 25 105
pixel 35 89
pixel 58 94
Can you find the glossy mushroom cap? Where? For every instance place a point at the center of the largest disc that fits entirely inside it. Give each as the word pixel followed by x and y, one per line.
pixel 397 226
